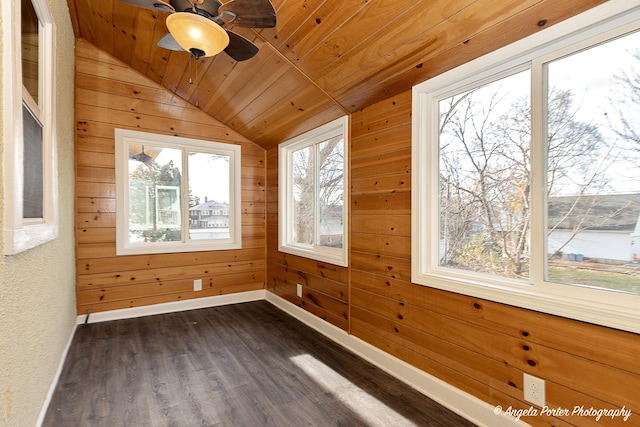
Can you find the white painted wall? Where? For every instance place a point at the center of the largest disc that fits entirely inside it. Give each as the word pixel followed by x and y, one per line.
pixel 612 245
pixel 37 292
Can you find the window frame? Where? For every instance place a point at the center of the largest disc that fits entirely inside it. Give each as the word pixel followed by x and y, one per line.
pixel 337 256
pixel 603 307
pixel 123 246
pixel 21 234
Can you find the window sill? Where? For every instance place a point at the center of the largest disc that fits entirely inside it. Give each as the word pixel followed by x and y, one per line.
pixel 538 298
pixel 327 255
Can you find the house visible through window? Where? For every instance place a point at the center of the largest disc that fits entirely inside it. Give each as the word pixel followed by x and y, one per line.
pixel 176 194
pixel 313 204
pixel 528 173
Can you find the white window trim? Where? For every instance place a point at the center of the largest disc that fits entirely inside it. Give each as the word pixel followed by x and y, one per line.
pixel 123 247
pixel 608 308
pixel 337 256
pixel 22 234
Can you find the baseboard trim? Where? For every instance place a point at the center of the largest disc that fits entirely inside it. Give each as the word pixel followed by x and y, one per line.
pixel 458 401
pixel 56 378
pixel 171 307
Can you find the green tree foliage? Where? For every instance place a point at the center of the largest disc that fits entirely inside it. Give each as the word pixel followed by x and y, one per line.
pixel 143 184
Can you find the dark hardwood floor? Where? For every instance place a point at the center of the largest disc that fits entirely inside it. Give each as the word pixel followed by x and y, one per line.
pixel 238 365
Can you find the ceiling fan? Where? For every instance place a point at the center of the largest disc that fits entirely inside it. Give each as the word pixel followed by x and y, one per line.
pixel 195 26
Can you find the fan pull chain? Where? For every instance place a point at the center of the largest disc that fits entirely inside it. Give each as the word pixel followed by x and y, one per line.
pixel 197 96
pixel 191 80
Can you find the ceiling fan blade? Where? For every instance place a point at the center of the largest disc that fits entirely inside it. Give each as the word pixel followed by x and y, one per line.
pixel 250 13
pixel 240 48
pixel 158 5
pixel 209 6
pixel 168 42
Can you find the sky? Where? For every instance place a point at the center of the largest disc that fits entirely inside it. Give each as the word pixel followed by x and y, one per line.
pixel 594 86
pixel 590 76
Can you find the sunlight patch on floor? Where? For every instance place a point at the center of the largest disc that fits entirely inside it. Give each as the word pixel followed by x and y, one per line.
pixel 349 394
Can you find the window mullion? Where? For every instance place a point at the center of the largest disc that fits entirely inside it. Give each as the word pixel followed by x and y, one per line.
pixel 431 177
pixel 287 225
pixel 316 198
pixel 184 196
pixel 538 185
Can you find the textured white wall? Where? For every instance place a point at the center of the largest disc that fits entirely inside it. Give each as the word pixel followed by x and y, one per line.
pixel 37 293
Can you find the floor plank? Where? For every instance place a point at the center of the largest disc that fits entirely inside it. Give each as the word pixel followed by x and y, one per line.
pixel 239 365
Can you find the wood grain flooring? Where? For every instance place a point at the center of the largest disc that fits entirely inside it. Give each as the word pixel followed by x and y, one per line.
pixel 239 365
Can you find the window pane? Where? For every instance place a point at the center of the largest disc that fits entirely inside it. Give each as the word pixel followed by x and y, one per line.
pixel 30 56
pixel 593 193
pixel 331 185
pixel 33 196
pixel 484 166
pixel 209 210
pixel 303 195
pixel 154 194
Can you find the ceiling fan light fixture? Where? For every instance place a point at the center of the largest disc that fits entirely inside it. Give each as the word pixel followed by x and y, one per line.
pixel 195 33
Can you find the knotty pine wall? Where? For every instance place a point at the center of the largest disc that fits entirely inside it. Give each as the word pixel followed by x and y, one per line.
pixel 478 346
pixel 108 95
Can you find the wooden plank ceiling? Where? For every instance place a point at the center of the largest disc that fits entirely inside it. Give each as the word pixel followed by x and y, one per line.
pixel 324 59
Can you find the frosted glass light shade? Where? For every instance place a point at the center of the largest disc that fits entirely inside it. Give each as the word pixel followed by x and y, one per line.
pixel 192 31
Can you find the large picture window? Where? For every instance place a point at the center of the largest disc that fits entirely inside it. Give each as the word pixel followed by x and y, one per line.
pixel 30 175
pixel 176 194
pixel 312 198
pixel 527 173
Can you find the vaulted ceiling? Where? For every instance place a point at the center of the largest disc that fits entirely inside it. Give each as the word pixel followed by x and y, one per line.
pixel 324 58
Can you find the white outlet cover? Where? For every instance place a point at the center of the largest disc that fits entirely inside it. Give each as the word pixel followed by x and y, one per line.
pixel 299 290
pixel 533 388
pixel 197 285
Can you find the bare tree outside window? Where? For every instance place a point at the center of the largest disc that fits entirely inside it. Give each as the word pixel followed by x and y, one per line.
pixel 312 204
pixel 303 195
pixel 321 163
pixel 626 100
pixel 484 178
pixel 594 209
pixel 593 177
pixel 331 188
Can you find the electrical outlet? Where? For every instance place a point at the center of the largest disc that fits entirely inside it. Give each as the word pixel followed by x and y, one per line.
pixel 299 290
pixel 533 390
pixel 197 285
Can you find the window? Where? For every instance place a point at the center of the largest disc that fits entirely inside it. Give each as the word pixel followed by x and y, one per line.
pixel 31 216
pixel 166 190
pixel 312 200
pixel 527 176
